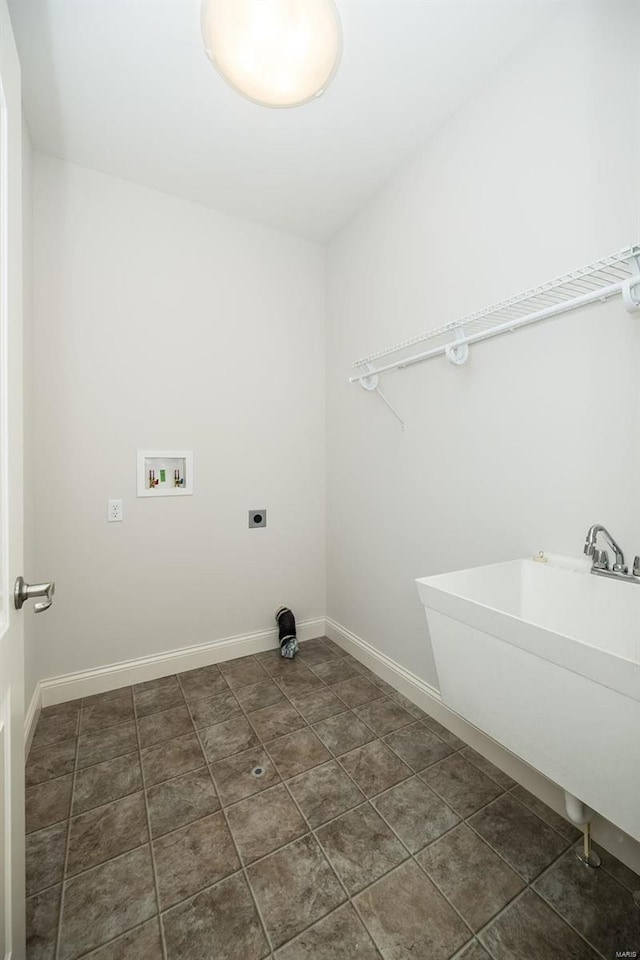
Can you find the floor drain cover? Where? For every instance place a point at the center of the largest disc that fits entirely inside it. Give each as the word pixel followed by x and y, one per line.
pixel 257 771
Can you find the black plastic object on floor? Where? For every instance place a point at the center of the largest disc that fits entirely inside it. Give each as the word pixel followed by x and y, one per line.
pixel 287 631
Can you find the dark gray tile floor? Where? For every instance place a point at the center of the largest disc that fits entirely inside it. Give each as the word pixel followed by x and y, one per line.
pixel 298 811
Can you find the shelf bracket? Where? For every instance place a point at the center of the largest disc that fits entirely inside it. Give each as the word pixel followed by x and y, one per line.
pixel 369 380
pixel 457 352
pixel 631 287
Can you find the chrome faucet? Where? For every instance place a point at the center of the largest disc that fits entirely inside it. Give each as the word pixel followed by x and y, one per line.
pixel 600 565
pixel 590 547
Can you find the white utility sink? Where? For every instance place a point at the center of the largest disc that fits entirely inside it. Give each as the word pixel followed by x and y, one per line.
pixel 545 658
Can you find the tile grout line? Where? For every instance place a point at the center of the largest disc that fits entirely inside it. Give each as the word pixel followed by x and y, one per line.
pixel 264 743
pixel 505 791
pixel 323 683
pixel 235 803
pixel 411 859
pixel 114 726
pixel 288 699
pixel 347 709
pixel 255 730
pixel 519 895
pixel 55 823
pixel 282 783
pixel 63 885
pixel 410 855
pixel 209 886
pixel 592 946
pixel 459 954
pixel 377 737
pixel 572 840
pixel 490 776
pixel 243 868
pixel 46 747
pixel 241 861
pixel 122 756
pixel 368 802
pixel 529 885
pixel 149 832
pixel 95 866
pixel 340 906
pixel 337 757
pixel 312 832
pixel 528 888
pixel 462 821
pixel 497 852
pixel 77 740
pixel 244 713
pixel 443 760
pixel 107 803
pixel 463 818
pixel 547 870
pixel 120 936
pixel 151 786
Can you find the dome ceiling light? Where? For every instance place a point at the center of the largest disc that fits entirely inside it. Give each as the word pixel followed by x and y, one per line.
pixel 278 53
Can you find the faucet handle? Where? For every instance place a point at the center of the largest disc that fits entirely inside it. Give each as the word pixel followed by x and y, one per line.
pixel 600 559
pixel 636 566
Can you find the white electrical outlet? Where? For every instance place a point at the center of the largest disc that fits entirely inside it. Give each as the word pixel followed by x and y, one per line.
pixel 114 511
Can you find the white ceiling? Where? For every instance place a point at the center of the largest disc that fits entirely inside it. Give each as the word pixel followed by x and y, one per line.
pixel 124 86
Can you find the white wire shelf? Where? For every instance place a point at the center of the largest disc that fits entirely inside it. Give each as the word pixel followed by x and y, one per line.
pixel 616 275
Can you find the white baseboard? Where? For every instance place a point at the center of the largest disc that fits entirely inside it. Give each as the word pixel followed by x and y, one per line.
pixel 403 680
pixel 622 846
pixel 114 675
pixel 31 718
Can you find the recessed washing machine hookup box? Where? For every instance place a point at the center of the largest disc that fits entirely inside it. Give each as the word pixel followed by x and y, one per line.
pixel 165 473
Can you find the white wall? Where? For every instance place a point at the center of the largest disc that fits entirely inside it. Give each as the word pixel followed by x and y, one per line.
pixel 537 436
pixel 162 324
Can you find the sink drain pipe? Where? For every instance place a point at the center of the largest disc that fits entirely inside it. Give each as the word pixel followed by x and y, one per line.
pixel 579 814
